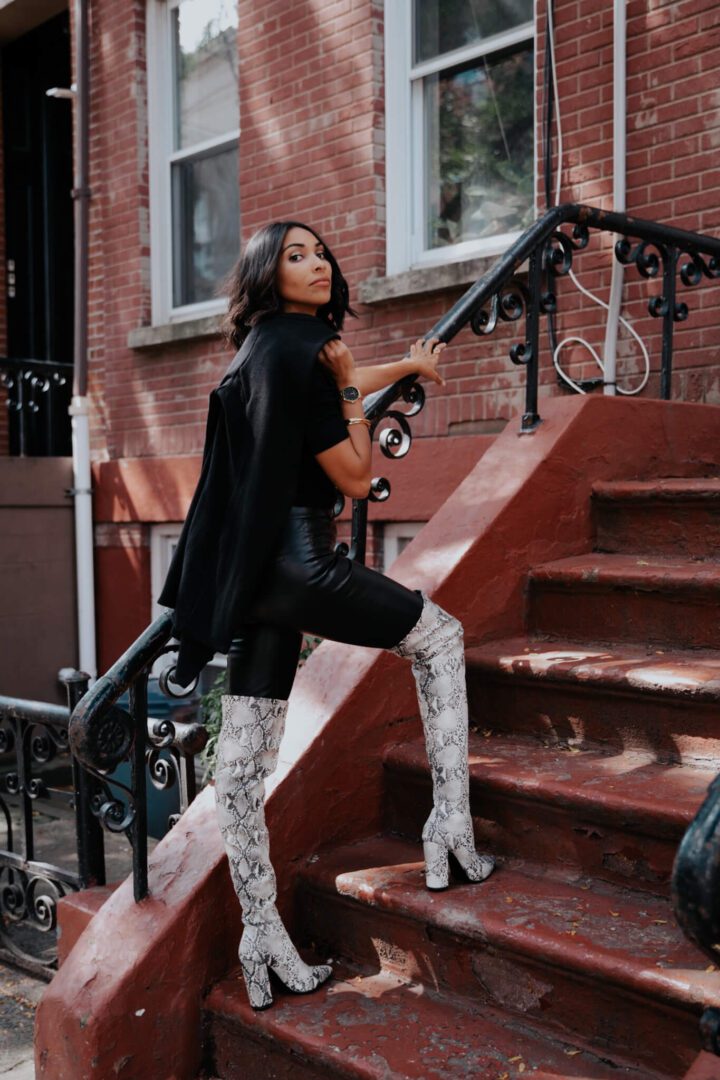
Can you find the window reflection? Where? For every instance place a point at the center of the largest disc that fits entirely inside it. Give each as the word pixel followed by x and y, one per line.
pixel 479 148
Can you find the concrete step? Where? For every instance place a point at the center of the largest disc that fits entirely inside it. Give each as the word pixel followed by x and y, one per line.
pixel 611 598
pixel 617 817
pixel 620 697
pixel 374 1025
pixel 674 516
pixel 602 968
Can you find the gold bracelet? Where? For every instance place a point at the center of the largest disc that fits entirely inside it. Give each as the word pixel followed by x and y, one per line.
pixel 358 420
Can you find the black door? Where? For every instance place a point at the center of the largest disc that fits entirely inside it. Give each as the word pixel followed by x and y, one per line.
pixel 37 151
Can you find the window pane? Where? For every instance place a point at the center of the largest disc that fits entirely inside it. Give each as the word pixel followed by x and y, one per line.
pixel 206 224
pixel 479 148
pixel 205 70
pixel 442 25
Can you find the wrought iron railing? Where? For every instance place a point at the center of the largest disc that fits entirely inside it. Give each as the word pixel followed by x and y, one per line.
pixel 37 395
pixel 679 259
pixel 34 738
pixel 102 735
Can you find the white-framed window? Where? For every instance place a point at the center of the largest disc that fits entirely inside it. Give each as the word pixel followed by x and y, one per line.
pixel 396 537
pixel 163 541
pixel 460 128
pixel 193 133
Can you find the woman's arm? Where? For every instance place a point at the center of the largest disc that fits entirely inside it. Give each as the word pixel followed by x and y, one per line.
pixel 348 462
pixel 423 359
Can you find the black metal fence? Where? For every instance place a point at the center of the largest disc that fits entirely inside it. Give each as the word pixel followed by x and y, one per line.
pixel 38 771
pixel 37 395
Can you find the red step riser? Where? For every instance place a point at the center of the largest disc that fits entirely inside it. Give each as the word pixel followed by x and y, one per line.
pixel 680 730
pixel 682 619
pixel 673 528
pixel 586 1012
pixel 543 833
pixel 235 1054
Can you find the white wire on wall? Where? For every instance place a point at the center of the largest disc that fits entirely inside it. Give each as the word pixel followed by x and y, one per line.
pixel 574 339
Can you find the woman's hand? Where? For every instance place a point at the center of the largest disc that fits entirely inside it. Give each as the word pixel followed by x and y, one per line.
pixel 424 357
pixel 339 361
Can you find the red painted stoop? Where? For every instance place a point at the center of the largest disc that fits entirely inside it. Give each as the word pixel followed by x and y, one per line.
pixel 592 743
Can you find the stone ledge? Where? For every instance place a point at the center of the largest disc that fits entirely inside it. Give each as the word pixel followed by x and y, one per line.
pixel 423 280
pixel 147 337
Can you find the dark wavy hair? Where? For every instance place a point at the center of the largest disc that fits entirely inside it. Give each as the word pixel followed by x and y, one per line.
pixel 251 285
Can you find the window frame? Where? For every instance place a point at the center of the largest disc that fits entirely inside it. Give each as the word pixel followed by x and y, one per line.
pixel 393 532
pixel 404 141
pixel 161 156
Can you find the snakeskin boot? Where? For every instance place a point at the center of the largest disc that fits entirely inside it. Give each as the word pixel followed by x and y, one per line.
pixel 435 646
pixel 247 753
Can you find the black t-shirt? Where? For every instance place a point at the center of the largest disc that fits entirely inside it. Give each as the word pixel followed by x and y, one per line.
pixel 324 427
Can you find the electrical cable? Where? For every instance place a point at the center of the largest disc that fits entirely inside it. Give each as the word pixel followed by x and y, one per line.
pixel 551 92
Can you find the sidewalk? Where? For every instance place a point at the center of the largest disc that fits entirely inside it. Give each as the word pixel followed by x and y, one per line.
pixel 19 994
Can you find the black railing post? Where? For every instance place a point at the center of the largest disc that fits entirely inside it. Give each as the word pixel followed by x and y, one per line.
pixel 88 830
pixel 138 786
pixel 359 530
pixel 531 418
pixel 669 283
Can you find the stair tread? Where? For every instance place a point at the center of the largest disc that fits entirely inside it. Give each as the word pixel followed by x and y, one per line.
pixel 677 673
pixel 631 783
pixel 674 487
pixel 595 929
pixel 630 571
pixel 380 1026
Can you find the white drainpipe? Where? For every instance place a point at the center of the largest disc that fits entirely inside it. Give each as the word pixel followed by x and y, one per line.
pixel 619 186
pixel 84 548
pixel 80 406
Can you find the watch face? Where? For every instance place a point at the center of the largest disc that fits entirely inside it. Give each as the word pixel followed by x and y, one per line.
pixel 350 393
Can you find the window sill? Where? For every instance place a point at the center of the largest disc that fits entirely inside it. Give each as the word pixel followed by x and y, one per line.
pixel 147 337
pixel 424 279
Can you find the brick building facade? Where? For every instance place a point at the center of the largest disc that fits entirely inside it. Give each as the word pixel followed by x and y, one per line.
pixel 332 131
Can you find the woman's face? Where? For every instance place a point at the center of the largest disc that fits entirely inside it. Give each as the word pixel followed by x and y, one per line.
pixel 304 275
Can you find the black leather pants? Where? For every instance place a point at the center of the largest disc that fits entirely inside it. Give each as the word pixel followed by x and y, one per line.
pixel 310 588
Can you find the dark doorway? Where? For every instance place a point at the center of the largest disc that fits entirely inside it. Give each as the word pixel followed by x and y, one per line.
pixel 37 150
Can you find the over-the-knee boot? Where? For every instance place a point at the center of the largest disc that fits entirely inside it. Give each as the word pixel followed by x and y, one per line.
pixel 435 646
pixel 252 729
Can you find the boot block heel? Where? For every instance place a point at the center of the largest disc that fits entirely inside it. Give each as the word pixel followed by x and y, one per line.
pixel 257 983
pixel 437 866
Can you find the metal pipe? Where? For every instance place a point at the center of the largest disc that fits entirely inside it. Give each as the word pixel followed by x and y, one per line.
pixel 80 406
pixel 619 188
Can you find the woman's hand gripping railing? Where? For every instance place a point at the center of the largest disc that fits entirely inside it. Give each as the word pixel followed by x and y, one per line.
pixel 102 734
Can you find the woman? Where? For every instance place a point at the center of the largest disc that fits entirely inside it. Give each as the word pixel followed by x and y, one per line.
pixel 255 567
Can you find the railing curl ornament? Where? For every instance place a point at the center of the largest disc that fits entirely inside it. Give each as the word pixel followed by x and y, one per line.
pixel 112 813
pixel 693 271
pixel 647 256
pixel 560 249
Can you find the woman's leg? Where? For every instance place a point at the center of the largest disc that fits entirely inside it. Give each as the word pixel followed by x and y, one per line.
pixel 329 595
pixel 435 646
pixel 261 668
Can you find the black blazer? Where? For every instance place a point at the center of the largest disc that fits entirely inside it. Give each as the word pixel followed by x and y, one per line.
pixel 253 444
